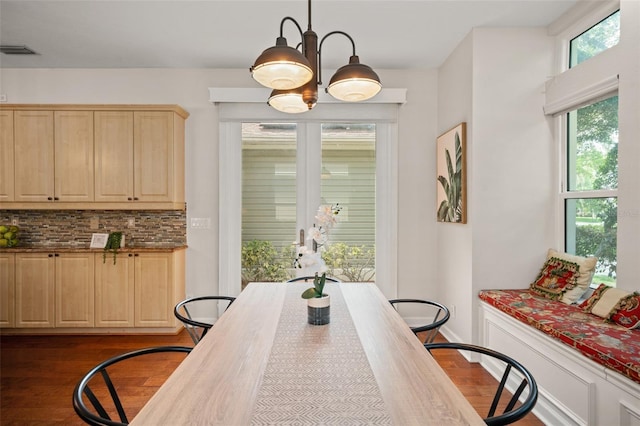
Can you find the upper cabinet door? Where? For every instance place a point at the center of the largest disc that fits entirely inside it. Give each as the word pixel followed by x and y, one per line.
pixel 34 154
pixel 74 155
pixel 6 156
pixel 153 155
pixel 113 131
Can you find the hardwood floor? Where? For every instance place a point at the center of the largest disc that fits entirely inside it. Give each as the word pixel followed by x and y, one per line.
pixel 38 374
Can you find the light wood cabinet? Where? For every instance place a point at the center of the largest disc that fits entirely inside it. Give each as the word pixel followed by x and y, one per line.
pixel 34 154
pixel 114 155
pixel 156 176
pixel 74 290
pixel 139 156
pixel 139 290
pixel 114 291
pixel 73 147
pixel 79 292
pixel 7 290
pixel 35 290
pixel 93 156
pixel 53 158
pixel 154 290
pixel 6 157
pixel 53 290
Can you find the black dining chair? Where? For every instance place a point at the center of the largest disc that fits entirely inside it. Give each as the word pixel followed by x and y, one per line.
pixel 198 329
pixel 513 373
pixel 438 311
pixel 99 397
pixel 310 278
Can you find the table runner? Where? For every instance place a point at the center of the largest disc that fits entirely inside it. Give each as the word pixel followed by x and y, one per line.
pixel 318 374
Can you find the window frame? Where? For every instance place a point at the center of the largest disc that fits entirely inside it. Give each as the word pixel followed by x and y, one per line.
pixel 577 87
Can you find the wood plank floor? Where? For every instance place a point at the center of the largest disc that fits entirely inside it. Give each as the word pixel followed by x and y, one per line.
pixel 38 374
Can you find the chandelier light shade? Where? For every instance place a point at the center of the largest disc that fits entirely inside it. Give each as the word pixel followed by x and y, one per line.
pixel 295 76
pixel 282 67
pixel 354 82
pixel 289 101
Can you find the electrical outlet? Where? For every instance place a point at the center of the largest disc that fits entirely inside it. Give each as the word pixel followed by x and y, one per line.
pixel 3 97
pixel 453 311
pixel 14 221
pixel 94 223
pixel 201 222
pixel 131 222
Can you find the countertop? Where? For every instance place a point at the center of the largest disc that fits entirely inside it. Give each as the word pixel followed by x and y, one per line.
pixel 50 249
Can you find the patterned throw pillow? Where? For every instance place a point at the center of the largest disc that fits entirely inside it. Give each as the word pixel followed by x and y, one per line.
pixel 587 305
pixel 556 277
pixel 587 266
pixel 627 312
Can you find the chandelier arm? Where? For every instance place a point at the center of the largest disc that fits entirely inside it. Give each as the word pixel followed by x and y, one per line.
pixel 353 46
pixel 289 18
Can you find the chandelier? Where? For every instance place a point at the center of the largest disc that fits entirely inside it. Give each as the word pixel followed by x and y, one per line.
pixel 295 75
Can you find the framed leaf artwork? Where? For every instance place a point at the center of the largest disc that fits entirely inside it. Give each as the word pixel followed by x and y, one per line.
pixel 451 193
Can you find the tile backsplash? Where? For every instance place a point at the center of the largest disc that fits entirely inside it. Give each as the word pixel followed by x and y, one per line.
pixel 73 228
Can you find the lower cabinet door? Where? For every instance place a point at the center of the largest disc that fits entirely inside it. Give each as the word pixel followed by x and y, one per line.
pixel 35 289
pixel 7 290
pixel 114 284
pixel 74 290
pixel 154 290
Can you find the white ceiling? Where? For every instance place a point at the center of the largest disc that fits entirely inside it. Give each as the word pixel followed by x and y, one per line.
pixel 389 34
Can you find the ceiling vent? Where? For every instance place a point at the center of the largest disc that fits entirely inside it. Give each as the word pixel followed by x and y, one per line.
pixel 16 50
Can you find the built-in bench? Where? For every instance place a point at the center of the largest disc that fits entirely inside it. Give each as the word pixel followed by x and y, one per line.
pixel 588 369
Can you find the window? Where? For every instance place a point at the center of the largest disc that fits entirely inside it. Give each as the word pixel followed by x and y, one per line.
pixel 590 195
pixel 602 36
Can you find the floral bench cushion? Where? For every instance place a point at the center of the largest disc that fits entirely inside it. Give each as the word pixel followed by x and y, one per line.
pixel 604 342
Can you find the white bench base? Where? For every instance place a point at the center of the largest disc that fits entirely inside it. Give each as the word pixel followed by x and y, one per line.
pixel 574 390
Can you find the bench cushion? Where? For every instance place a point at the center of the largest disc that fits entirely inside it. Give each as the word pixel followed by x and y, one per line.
pixel 604 342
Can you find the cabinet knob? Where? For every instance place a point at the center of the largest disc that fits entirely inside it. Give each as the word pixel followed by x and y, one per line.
pixel 130 255
pixel 50 198
pixel 135 198
pixel 56 198
pixel 56 255
pixel 129 198
pixel 136 255
pixel 50 255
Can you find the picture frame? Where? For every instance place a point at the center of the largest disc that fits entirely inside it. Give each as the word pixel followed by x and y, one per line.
pixel 98 240
pixel 451 175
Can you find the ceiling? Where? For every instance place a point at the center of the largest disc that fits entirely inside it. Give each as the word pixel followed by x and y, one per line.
pixel 389 34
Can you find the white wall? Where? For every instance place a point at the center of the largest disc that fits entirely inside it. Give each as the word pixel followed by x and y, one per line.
pixel 189 89
pixel 494 81
pixel 514 163
pixel 454 248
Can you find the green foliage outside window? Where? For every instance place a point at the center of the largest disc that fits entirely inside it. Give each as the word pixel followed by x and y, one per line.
pixel 261 262
pixel 350 263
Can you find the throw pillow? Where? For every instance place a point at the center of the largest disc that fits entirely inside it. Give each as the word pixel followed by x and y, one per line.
pixel 603 300
pixel 555 278
pixel 587 305
pixel 585 274
pixel 627 312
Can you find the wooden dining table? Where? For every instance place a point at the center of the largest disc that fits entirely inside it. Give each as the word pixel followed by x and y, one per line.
pixel 263 364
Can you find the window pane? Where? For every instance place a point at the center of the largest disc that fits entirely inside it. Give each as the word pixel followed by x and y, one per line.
pixel 349 178
pixel 592 146
pixel 591 230
pixel 596 39
pixel 268 201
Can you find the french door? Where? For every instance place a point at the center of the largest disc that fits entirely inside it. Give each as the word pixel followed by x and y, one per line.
pixel 288 171
pixel 275 174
